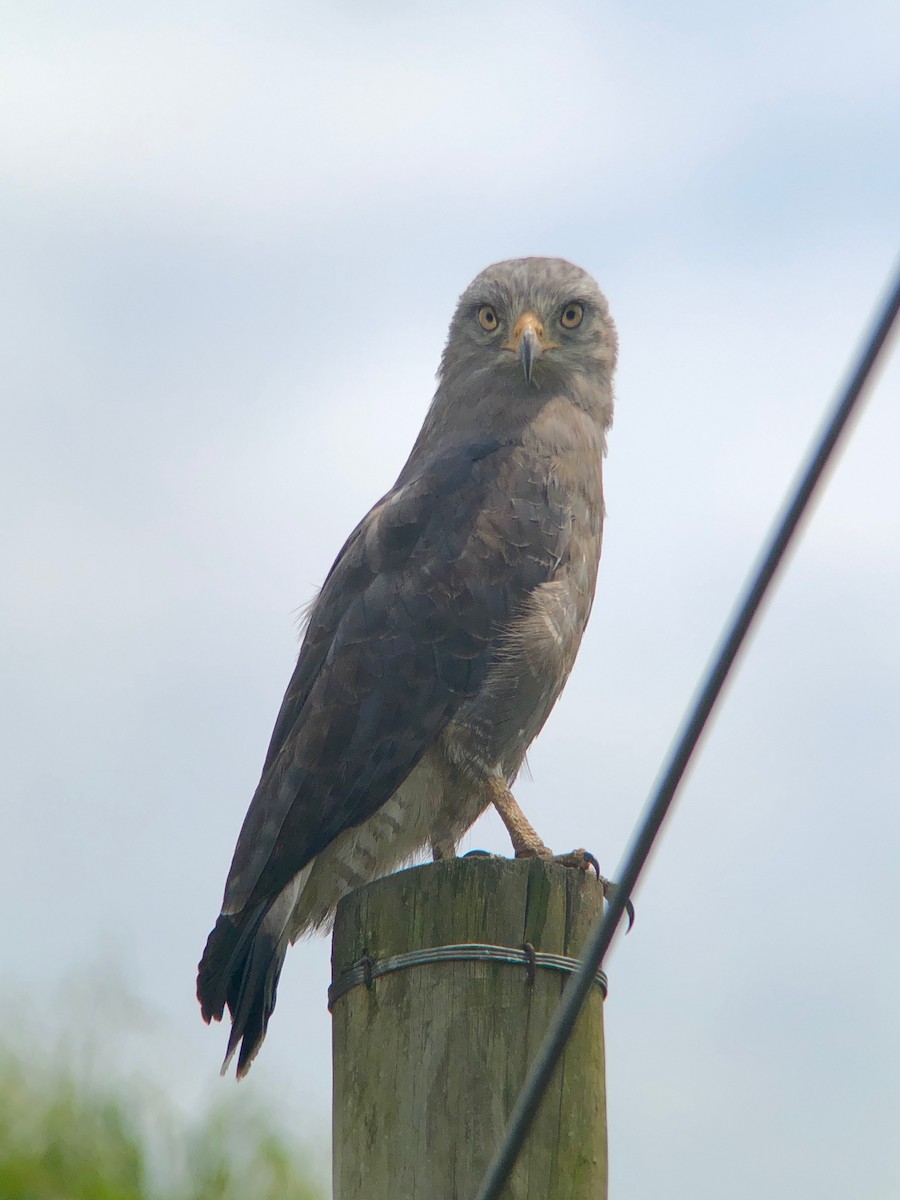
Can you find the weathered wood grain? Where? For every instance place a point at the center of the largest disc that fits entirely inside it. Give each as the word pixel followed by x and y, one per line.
pixel 428 1061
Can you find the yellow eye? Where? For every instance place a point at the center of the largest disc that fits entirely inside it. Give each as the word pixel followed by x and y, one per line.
pixel 488 318
pixel 571 316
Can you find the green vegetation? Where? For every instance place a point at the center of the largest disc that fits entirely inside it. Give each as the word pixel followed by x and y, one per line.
pixel 62 1138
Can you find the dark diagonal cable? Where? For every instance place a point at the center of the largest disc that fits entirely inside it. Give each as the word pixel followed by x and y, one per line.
pixel 679 756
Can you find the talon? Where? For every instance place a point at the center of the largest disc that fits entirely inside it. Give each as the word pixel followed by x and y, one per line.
pixel 579 860
pixel 592 862
pixel 609 889
pixel 479 854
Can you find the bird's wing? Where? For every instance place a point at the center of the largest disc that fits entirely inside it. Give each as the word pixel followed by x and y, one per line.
pixel 404 630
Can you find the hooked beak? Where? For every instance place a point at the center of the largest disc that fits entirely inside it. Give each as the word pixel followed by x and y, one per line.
pixel 528 342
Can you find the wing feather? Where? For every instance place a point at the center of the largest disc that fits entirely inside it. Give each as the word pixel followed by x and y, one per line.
pixel 405 629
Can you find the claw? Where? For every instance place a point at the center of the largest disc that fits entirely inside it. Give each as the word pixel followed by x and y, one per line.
pixel 479 854
pixel 609 889
pixel 579 860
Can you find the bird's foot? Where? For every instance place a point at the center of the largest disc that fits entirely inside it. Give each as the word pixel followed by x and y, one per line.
pixel 580 860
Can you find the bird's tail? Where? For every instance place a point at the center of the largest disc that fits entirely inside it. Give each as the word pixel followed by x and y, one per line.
pixel 240 967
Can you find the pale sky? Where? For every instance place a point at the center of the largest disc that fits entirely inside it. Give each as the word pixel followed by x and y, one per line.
pixel 233 239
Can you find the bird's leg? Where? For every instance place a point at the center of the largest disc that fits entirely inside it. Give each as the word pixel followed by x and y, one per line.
pixel 441 850
pixel 526 843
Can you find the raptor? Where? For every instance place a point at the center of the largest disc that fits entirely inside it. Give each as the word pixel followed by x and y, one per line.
pixel 442 637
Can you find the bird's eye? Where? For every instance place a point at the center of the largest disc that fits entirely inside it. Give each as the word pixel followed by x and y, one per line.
pixel 571 316
pixel 487 318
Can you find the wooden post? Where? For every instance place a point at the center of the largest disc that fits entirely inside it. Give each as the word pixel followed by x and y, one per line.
pixel 428 1060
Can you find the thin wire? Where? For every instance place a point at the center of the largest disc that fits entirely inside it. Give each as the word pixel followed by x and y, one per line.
pixel 601 935
pixel 367 969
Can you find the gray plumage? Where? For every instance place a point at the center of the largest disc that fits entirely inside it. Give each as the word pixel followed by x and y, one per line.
pixel 442 637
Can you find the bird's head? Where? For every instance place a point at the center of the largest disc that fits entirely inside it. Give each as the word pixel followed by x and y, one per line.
pixel 537 322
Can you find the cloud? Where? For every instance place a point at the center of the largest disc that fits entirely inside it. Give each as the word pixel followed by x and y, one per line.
pixel 228 125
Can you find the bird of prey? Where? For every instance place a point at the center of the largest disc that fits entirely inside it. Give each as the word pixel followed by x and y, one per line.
pixel 442 636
